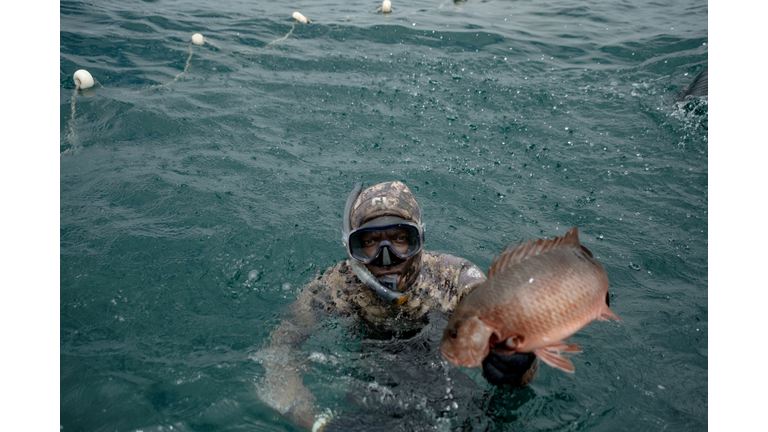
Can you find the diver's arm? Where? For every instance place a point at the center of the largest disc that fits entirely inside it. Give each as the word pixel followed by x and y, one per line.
pixel 461 277
pixel 282 388
pixel 470 277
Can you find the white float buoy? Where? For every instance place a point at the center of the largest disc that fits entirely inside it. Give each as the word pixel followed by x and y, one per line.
pixel 300 18
pixel 198 39
pixel 83 79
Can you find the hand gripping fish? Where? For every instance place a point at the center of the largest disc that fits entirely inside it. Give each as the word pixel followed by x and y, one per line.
pixel 536 296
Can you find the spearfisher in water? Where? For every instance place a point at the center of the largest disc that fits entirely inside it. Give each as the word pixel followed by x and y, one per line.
pixel 389 283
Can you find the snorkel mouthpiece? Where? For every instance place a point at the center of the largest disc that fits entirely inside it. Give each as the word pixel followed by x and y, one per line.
pixel 362 273
pixel 371 282
pixel 389 281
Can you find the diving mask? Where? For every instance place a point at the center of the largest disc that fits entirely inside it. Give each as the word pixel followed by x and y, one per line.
pixel 385 241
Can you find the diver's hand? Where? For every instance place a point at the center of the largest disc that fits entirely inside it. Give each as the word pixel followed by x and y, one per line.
pixel 516 369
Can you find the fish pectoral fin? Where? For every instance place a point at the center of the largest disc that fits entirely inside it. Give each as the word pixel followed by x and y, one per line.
pixel 608 314
pixel 555 360
pixel 564 347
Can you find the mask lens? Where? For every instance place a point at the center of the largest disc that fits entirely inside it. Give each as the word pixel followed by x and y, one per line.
pixel 402 240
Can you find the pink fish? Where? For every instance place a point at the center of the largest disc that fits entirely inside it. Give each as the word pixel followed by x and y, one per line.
pixel 536 296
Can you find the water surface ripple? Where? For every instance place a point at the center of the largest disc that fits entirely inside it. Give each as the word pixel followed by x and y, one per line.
pixel 192 213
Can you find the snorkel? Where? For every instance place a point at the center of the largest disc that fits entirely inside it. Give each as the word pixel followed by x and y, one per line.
pixel 362 273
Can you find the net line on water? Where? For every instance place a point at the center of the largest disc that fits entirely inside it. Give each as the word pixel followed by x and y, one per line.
pixel 197 39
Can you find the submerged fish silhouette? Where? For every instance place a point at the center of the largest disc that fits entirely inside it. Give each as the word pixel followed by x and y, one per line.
pixel 536 296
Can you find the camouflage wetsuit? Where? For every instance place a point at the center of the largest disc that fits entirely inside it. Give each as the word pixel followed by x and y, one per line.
pixel 433 282
pixel 441 282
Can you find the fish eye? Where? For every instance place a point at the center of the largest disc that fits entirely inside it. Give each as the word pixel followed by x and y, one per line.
pixel 452 333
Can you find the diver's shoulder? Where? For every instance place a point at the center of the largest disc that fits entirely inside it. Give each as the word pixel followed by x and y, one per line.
pixel 439 256
pixel 447 260
pixel 331 290
pixel 340 268
pixel 330 276
pixel 464 274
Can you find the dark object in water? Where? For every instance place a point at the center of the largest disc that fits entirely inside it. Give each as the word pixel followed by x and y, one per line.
pixel 697 88
pixel 516 369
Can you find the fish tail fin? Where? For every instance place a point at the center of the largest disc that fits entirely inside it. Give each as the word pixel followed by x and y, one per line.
pixel 607 314
pixel 555 360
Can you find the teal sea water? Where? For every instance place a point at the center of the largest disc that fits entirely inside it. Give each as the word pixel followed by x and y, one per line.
pixel 194 205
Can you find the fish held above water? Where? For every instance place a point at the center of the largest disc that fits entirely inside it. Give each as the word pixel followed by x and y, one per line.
pixel 536 296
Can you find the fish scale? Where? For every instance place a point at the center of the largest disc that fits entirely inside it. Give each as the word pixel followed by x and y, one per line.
pixel 536 296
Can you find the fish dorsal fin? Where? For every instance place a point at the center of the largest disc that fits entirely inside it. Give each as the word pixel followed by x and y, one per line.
pixel 523 251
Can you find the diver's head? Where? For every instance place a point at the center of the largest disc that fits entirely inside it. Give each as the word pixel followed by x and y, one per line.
pixel 387 234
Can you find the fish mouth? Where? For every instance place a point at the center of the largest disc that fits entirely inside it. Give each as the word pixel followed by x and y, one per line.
pixel 472 361
pixel 447 356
